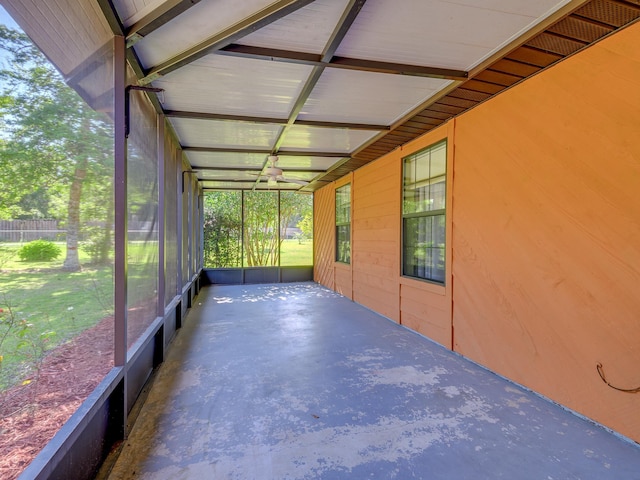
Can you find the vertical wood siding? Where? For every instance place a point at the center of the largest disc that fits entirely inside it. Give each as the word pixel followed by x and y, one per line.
pixel 343 273
pixel 324 236
pixel 343 280
pixel 547 232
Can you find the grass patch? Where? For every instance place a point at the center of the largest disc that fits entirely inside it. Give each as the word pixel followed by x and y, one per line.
pixel 294 252
pixel 9 259
pixel 45 308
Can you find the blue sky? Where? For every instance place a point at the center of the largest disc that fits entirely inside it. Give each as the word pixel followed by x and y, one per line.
pixel 5 19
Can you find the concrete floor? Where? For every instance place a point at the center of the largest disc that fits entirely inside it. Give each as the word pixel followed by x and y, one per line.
pixel 292 381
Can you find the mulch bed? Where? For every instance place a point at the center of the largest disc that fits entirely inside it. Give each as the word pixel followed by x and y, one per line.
pixel 30 415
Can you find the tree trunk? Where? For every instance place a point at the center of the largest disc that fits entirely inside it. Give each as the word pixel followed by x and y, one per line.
pixel 72 261
pixel 105 242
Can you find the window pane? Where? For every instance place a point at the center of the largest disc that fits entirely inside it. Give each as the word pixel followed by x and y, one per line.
pixel 438 160
pixel 409 174
pixel 296 229
pixel 422 166
pixel 261 229
pixel 223 229
pixel 343 204
pixel 142 205
pixel 343 244
pixel 438 195
pixel 56 239
pixel 185 223
pixel 437 270
pixel 423 248
pixel 416 198
pixel 424 180
pixel 171 164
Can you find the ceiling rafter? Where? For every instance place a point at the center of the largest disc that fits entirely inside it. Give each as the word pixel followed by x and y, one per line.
pixel 349 15
pixel 118 29
pixel 166 12
pixel 236 189
pixel 516 61
pixel 250 169
pixel 270 120
pixel 267 15
pixel 457 97
pixel 303 58
pixel 282 153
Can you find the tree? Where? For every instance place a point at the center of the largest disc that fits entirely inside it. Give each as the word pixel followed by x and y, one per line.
pixel 306 224
pixel 262 232
pixel 54 143
pixel 296 210
pixel 261 247
pixel 222 229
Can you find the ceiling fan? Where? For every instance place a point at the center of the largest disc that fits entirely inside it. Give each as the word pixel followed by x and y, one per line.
pixel 273 174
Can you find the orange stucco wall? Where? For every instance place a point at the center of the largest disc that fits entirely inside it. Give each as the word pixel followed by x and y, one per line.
pixel 543 234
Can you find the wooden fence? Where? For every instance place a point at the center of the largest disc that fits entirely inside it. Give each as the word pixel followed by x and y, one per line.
pixel 27 230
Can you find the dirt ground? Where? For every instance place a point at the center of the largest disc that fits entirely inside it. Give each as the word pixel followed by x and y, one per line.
pixel 31 415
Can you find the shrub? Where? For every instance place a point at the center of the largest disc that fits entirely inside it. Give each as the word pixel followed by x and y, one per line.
pixel 39 251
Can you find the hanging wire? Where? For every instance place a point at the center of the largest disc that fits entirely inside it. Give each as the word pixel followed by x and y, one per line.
pixel 604 379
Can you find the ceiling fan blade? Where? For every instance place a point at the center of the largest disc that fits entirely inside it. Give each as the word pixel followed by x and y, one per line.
pixel 294 180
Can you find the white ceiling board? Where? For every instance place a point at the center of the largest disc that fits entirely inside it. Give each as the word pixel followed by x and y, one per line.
pixel 228 175
pixel 281 186
pixel 132 11
pixel 213 185
pixel 305 30
pixel 294 175
pixel 456 34
pixel 197 24
pixel 291 162
pixel 213 133
pixel 226 160
pixel 332 140
pixel 227 185
pixel 366 97
pixel 236 86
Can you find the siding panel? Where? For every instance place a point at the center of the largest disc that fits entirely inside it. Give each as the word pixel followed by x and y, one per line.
pixel 376 218
pixel 547 231
pixel 324 236
pixel 343 280
pixel 543 217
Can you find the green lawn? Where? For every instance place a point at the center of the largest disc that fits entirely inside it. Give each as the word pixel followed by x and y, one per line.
pixel 43 306
pixel 292 252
